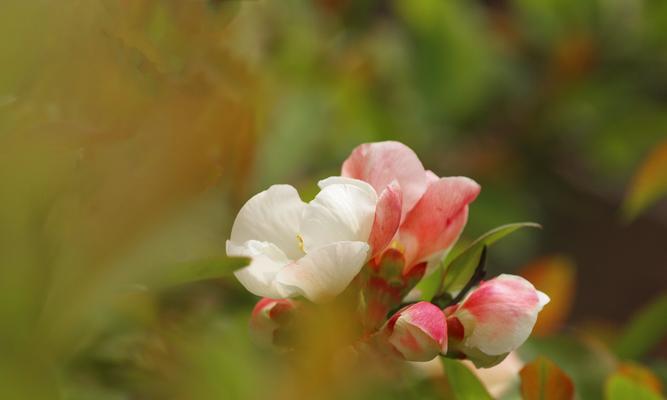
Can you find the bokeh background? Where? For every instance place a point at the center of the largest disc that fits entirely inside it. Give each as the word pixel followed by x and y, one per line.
pixel 131 131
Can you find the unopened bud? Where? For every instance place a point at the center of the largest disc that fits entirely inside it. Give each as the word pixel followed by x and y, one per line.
pixel 417 332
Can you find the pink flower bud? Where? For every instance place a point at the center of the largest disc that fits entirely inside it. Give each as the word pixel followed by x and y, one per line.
pixel 267 319
pixel 494 318
pixel 417 332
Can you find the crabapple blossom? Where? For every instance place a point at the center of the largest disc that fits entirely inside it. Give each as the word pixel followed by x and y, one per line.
pixel 494 318
pixel 311 249
pixel 432 212
pixel 417 332
pixel 268 317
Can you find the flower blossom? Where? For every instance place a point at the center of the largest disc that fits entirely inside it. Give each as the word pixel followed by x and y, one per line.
pixel 417 332
pixel 268 317
pixel 494 319
pixel 304 249
pixel 417 212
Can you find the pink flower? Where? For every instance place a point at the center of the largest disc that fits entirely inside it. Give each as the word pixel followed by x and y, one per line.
pixel 494 319
pixel 417 332
pixel 268 317
pixel 420 213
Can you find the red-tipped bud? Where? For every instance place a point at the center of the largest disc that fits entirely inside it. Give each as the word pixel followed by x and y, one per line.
pixel 269 318
pixel 494 319
pixel 417 332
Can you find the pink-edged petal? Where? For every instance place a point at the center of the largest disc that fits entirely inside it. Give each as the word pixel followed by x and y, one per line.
pixel 437 220
pixel 271 216
pixel 499 315
pixel 431 177
pixel 454 232
pixel 418 332
pixel 342 211
pixel 267 260
pixel 381 163
pixel 325 271
pixel 387 218
pixel 267 317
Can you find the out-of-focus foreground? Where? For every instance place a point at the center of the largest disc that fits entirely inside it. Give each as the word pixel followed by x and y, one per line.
pixel 131 131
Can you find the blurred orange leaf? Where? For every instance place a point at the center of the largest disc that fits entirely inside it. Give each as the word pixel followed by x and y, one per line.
pixel 649 183
pixel 555 276
pixel 543 380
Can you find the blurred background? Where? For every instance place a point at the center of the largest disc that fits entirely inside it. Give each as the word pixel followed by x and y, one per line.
pixel 131 131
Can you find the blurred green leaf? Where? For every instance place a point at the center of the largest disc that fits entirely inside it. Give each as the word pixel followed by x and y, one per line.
pixel 649 183
pixel 463 382
pixel 188 272
pixel 620 387
pixel 542 379
pixel 645 330
pixel 460 271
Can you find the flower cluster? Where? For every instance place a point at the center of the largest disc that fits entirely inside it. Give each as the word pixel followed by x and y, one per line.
pixel 379 228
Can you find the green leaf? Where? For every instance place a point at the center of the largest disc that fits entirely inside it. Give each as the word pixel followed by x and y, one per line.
pixel 193 271
pixel 620 387
pixel 462 381
pixel 645 330
pixel 457 275
pixel 541 379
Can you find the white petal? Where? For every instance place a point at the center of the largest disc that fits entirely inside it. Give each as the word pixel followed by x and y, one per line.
pixel 543 299
pixel 325 271
pixel 341 180
pixel 271 216
pixel 340 212
pixel 267 260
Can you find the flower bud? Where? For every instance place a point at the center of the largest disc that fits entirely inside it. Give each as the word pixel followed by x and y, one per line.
pixel 494 319
pixel 417 332
pixel 269 318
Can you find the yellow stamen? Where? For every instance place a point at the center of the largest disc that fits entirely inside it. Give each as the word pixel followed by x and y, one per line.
pixel 398 246
pixel 300 240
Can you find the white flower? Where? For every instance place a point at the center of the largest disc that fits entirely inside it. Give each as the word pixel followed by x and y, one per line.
pixel 311 249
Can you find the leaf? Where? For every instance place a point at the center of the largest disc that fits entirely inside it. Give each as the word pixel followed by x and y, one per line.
pixel 478 273
pixel 640 374
pixel 462 381
pixel 649 183
pixel 622 387
pixel 462 268
pixel 645 330
pixel 543 380
pixel 555 276
pixel 586 362
pixel 189 272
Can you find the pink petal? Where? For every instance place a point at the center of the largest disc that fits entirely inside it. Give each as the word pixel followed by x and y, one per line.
pixel 387 218
pixel 267 317
pixel 382 162
pixel 431 177
pixel 436 221
pixel 418 332
pixel 429 318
